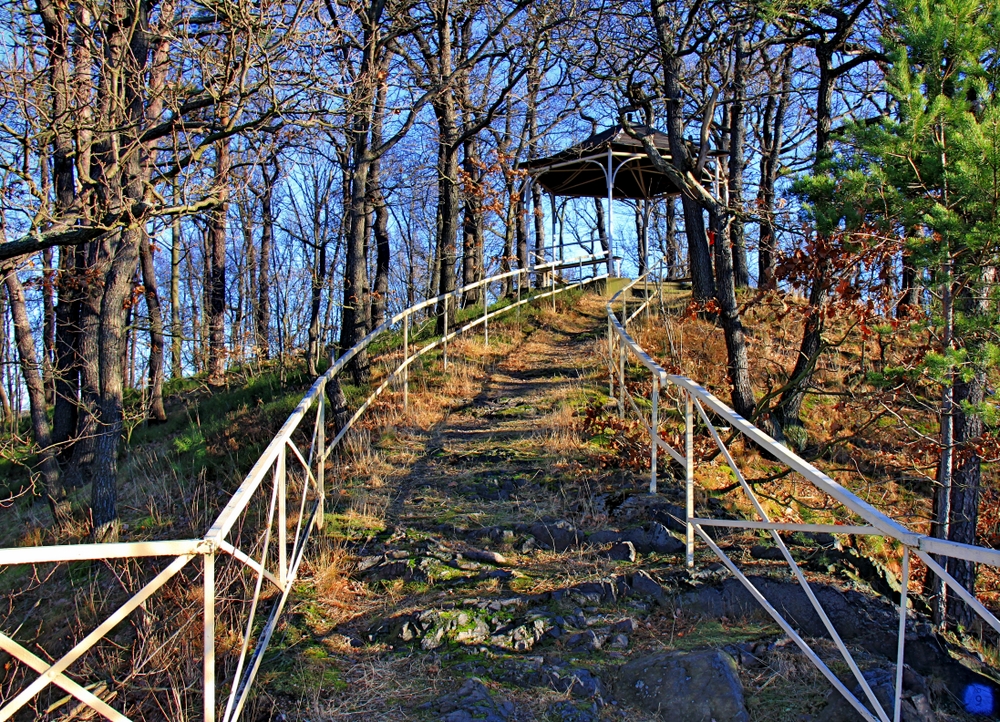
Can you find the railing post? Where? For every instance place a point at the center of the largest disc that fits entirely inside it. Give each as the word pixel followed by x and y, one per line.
pixel 208 639
pixel 660 284
pixel 901 641
pixel 486 313
pixel 281 481
pixel 445 332
pixel 654 431
pixel 689 473
pixel 621 380
pixel 611 359
pixel 552 285
pixel 406 367
pixel 321 459
pixel 520 279
pixel 645 292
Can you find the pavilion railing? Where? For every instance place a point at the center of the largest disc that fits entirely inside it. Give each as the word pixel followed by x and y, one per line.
pixel 286 489
pixel 624 354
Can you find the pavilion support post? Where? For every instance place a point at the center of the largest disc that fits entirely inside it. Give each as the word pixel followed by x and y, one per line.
pixel 609 174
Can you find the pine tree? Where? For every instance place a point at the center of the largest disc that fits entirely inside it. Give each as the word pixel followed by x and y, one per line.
pixel 931 174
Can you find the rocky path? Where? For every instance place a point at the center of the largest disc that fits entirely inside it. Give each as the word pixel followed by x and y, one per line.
pixel 497 572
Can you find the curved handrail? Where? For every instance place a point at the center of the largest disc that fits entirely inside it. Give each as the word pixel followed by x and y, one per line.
pixel 878 523
pixel 272 459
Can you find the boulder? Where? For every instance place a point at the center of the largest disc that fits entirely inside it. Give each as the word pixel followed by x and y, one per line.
pixel 698 686
pixel 622 552
pixel 472 702
pixel 662 541
pixel 558 535
pixel 644 585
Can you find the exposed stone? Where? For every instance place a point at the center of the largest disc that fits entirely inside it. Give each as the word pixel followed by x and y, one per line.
pixel 480 555
pixel 914 707
pixel 605 536
pixel 701 685
pixel 584 641
pixel 472 701
pixel 558 535
pixel 619 641
pixel 397 569
pixel 662 541
pixel 759 551
pixel 578 682
pixel 622 552
pixel 625 626
pixel 645 585
pixel 366 563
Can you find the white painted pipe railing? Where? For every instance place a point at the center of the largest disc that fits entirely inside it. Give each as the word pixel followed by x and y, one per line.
pixel 291 517
pixel 621 347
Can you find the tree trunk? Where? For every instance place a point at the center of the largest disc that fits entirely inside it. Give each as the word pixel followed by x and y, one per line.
pixel 380 226
pixel 78 470
pixel 217 263
pixel 127 29
pixel 673 249
pixel 31 372
pixel 448 192
pixel 521 231
pixel 48 326
pixel 965 486
pixel 262 317
pixel 699 255
pixel 737 140
pixel 738 365
pixel 67 368
pixel 602 228
pixel 472 224
pixel 789 404
pixel 770 162
pixel 176 324
pixel 156 410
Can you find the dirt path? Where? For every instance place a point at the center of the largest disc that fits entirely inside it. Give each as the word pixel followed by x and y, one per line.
pixel 485 564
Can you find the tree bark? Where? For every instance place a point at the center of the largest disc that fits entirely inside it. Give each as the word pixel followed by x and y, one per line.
pixel 262 317
pixel 699 255
pixel 217 261
pixel 156 411
pixel 119 163
pixel 176 323
pixel 31 373
pixel 380 225
pixel 737 140
pixel 770 163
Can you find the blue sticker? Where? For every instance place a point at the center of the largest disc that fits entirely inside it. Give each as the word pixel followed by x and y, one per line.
pixel 978 699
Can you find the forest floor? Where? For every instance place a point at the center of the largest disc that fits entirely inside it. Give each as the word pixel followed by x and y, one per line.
pixel 474 564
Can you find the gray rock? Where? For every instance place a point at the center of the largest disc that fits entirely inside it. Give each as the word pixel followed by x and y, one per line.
pixel 662 541
pixel 605 536
pixel 759 551
pixel 622 552
pixel 695 687
pixel 619 641
pixel 644 585
pixel 578 682
pixel 638 538
pixel 567 712
pixel 482 555
pixel 625 626
pixel 915 706
pixel 558 535
pixel 472 702
pixel 584 641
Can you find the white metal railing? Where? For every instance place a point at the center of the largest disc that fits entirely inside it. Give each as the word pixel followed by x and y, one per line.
pixel 279 545
pixel 620 346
